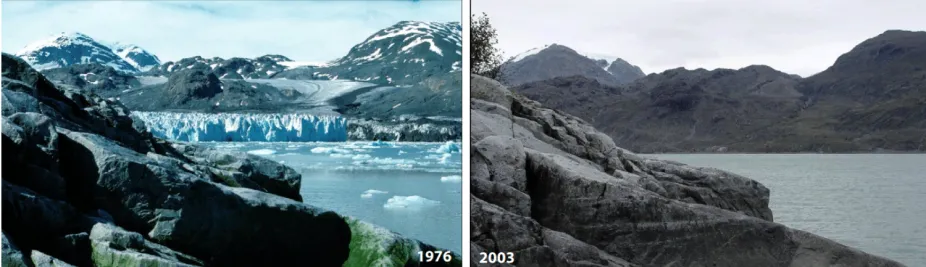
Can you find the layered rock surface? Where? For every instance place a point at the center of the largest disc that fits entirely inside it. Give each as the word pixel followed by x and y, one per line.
pixel 556 192
pixel 85 185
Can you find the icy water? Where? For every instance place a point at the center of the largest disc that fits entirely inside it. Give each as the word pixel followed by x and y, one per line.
pixel 873 202
pixel 410 188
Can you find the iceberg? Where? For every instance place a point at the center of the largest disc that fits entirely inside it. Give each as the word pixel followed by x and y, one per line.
pixel 199 127
pixel 449 147
pixel 451 179
pixel 409 203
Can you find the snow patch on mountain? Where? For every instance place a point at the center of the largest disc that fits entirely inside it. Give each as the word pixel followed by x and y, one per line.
pixel 136 56
pixel 529 52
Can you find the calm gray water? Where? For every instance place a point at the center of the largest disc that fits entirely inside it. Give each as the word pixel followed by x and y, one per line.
pixel 873 202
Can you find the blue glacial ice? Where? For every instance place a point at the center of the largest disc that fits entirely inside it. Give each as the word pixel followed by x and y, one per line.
pixel 199 127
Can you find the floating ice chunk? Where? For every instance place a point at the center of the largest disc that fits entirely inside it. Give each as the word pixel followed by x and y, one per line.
pixel 409 203
pixel 379 143
pixel 371 192
pixel 262 152
pixel 340 155
pixel 448 147
pixel 330 150
pixel 445 158
pixel 451 179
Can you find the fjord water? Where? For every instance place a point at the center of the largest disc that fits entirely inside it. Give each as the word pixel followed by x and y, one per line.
pixel 413 189
pixel 873 202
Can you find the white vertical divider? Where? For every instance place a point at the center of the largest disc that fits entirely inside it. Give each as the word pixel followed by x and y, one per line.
pixel 465 22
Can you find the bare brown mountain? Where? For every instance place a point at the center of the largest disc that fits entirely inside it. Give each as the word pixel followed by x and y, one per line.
pixel 873 98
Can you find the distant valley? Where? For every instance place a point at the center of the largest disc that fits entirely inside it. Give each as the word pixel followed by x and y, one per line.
pixel 872 99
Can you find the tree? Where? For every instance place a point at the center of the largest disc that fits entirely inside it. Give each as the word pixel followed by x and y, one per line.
pixel 483 55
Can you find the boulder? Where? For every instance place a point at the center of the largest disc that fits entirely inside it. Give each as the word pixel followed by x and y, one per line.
pixel 44 260
pixel 32 143
pixel 246 169
pixel 12 256
pixel 35 220
pixel 190 213
pixel 372 245
pixel 113 246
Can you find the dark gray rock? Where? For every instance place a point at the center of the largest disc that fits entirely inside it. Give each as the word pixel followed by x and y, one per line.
pixel 624 71
pixel 187 212
pixel 94 77
pixel 595 204
pixel 35 220
pixel 32 92
pixel 267 175
pixel 12 256
pixel 113 246
pixel 73 248
pixel 32 143
pixel 192 84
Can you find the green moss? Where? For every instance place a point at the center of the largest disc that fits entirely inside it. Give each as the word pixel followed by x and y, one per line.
pixel 372 246
pixel 105 256
pixel 225 179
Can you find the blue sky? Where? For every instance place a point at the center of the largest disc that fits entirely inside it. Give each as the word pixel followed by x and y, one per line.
pixel 301 30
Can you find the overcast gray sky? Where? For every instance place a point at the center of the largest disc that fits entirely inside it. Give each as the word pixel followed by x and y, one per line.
pixel 796 36
pixel 301 30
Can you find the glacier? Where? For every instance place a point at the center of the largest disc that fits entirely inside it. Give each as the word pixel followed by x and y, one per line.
pixel 200 127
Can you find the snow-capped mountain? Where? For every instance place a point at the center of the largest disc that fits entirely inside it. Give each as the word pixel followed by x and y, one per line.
pixel 552 61
pixel 234 68
pixel 71 48
pixel 549 62
pixel 404 53
pixel 136 56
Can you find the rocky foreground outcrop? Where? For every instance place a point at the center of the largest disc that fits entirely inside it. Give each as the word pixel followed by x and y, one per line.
pixel 85 185
pixel 556 192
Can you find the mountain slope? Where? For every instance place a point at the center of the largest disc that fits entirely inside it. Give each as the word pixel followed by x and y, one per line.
pixel 869 100
pixel 67 49
pixel 403 54
pixel 94 77
pixel 679 109
pixel 872 96
pixel 136 56
pixel 549 62
pixel 624 71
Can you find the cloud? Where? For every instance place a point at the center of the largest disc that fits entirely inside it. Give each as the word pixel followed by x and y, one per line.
pixel 301 30
pixel 801 37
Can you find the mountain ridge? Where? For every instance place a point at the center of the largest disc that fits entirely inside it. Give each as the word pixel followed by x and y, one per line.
pixel 556 60
pixel 869 100
pixel 69 48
